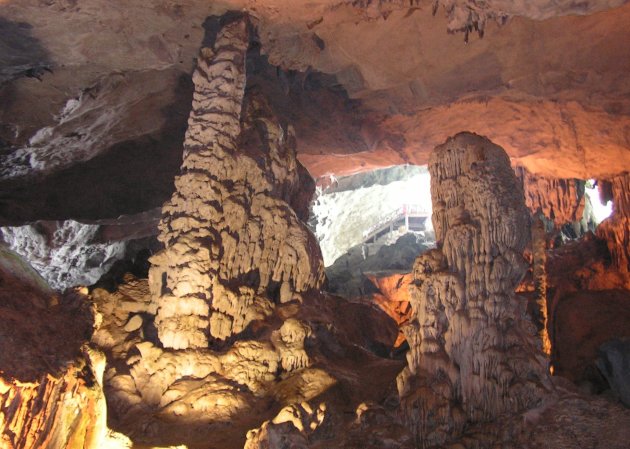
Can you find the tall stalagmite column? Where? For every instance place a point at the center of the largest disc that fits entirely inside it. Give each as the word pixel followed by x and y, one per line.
pixel 472 352
pixel 233 244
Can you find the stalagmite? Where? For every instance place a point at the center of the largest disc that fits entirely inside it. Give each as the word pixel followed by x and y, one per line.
pixel 616 229
pixel 233 245
pixel 236 265
pixel 472 352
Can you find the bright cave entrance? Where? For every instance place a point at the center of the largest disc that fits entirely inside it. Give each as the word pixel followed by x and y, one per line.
pixel 371 224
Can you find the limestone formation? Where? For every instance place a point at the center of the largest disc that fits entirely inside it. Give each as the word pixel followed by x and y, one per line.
pixel 51 393
pixel 539 273
pixel 289 429
pixel 616 229
pixel 472 353
pixel 66 253
pixel 205 343
pixel 233 245
pixel 559 200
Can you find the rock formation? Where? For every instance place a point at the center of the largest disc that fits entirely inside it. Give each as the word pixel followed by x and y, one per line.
pixel 539 274
pixel 559 200
pixel 233 245
pixel 51 393
pixel 205 343
pixel 615 230
pixel 472 352
pixel 66 253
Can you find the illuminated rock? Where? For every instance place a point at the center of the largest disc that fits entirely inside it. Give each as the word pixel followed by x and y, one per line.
pixel 231 238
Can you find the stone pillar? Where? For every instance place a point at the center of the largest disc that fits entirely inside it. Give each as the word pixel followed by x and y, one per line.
pixel 233 246
pixel 473 354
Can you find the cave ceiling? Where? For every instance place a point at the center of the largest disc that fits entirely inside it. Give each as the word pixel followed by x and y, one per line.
pixel 97 92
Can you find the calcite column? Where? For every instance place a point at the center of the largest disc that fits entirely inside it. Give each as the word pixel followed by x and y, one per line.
pixel 473 354
pixel 233 245
pixel 616 229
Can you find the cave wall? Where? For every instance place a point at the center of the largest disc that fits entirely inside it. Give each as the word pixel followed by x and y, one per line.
pixel 558 199
pixel 50 397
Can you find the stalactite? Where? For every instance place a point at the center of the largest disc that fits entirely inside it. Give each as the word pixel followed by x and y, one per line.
pixel 616 229
pixel 472 352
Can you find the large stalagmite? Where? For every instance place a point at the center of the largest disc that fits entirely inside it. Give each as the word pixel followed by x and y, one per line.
pixel 224 292
pixel 233 245
pixel 472 352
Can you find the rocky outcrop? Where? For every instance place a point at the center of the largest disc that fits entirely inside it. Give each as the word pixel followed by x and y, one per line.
pixel 233 245
pixel 616 229
pixel 472 352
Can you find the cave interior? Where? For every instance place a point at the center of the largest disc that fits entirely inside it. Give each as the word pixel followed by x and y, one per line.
pixel 331 224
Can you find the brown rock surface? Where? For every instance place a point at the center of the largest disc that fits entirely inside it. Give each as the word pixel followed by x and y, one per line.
pixel 616 229
pixel 583 321
pixel 559 200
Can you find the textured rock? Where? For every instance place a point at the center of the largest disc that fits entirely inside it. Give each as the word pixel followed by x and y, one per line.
pixel 50 382
pixel 231 239
pixel 377 84
pixel 559 200
pixel 289 429
pixel 616 229
pixel 66 253
pixel 213 337
pixel 472 352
